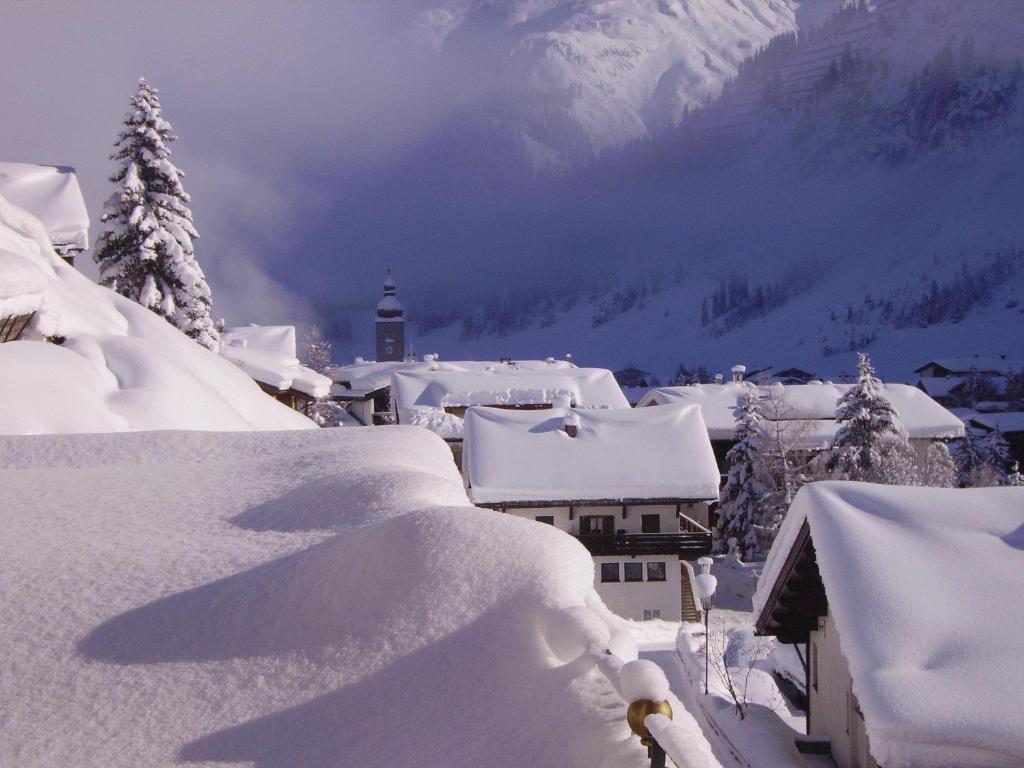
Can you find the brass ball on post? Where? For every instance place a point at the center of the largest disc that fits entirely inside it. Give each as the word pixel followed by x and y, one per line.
pixel 638 712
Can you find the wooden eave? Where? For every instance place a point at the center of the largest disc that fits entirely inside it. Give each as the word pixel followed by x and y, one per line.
pixel 589 503
pixel 797 599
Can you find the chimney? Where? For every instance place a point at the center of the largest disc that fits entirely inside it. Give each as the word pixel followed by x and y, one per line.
pixel 738 372
pixel 572 424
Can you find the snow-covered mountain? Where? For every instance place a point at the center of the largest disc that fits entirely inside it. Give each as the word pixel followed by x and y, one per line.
pixel 857 187
pixel 570 78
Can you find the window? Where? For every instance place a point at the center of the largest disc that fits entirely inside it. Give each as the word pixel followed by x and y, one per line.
pixel 609 572
pixel 656 571
pixel 650 523
pixel 634 571
pixel 593 525
pixel 652 613
pixel 549 519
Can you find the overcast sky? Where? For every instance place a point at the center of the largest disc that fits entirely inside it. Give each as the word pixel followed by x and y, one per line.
pixel 273 104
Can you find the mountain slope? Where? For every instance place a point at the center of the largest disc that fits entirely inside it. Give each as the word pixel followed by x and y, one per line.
pixel 856 188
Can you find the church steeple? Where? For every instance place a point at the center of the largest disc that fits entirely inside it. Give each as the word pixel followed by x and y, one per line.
pixel 389 307
pixel 390 323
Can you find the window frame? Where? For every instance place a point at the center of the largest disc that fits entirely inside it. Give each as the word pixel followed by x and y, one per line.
pixel 618 573
pixel 626 569
pixel 664 570
pixel 648 516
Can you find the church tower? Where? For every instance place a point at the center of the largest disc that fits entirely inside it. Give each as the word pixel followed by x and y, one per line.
pixel 390 324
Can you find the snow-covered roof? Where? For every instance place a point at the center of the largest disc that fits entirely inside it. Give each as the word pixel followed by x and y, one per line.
pixel 365 376
pixel 51 194
pixel 941 386
pixel 923 585
pixel 421 396
pixel 267 354
pixel 256 590
pixel 1006 421
pixel 120 367
pixel 653 453
pixel 810 406
pixel 980 364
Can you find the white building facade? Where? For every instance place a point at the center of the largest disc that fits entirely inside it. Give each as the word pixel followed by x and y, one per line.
pixel 621 481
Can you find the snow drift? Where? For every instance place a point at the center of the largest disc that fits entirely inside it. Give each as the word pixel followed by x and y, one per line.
pixel 316 598
pixel 118 366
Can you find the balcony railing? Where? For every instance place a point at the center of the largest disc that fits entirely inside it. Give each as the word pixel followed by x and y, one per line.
pixel 687 545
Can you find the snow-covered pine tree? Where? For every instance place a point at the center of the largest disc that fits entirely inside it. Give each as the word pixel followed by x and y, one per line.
pixel 145 252
pixel 1014 477
pixel 997 454
pixel 871 443
pixel 316 350
pixel 970 460
pixel 940 470
pixel 741 507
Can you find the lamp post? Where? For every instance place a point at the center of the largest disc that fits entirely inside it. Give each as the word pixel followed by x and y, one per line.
pixel 704 585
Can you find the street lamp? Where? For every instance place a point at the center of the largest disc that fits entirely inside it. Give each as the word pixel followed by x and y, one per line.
pixel 704 585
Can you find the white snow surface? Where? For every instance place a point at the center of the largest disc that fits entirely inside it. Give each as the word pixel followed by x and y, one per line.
pixel 503 384
pixel 120 368
pixel 650 453
pixel 311 599
pixel 267 354
pixel 923 584
pixel 810 406
pixel 52 194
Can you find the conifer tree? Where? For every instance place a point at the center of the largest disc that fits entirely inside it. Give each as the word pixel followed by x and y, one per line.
pixel 316 352
pixel 997 454
pixel 870 443
pixel 940 471
pixel 145 252
pixel 970 460
pixel 742 508
pixel 1014 477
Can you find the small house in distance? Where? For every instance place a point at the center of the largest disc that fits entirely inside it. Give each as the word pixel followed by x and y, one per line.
pixel 907 601
pixel 804 414
pixel 51 194
pixel 623 481
pixel 267 354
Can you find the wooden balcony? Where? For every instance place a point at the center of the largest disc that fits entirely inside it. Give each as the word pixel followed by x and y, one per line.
pixel 687 545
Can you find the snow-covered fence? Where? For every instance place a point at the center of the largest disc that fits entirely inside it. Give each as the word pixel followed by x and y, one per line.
pixel 644 687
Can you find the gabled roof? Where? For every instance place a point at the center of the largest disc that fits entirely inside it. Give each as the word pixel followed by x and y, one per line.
pixel 50 193
pixel 267 354
pixel 656 453
pixel 810 407
pixel 923 585
pixel 965 365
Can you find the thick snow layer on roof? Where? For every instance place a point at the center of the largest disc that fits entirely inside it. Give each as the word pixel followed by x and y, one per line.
pixel 22 283
pixel 650 453
pixel 368 376
pixel 941 386
pixel 121 367
pixel 504 384
pixel 290 599
pixel 51 194
pixel 812 404
pixel 1007 421
pixel 923 584
pixel 267 354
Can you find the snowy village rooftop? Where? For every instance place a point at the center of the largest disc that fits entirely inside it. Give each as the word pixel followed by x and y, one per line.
pixel 365 376
pixel 810 406
pixel 119 368
pixel 52 194
pixel 615 454
pixel 934 650
pixel 267 354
